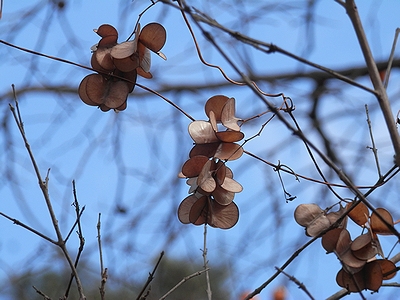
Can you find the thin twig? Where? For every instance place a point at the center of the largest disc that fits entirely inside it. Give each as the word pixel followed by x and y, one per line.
pixel 182 282
pixel 43 184
pixel 41 293
pixel 391 58
pixel 380 90
pixel 299 284
pixel 373 148
pixel 209 292
pixel 17 222
pixel 151 276
pixel 78 212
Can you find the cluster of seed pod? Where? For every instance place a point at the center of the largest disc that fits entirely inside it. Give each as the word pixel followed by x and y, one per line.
pixel 360 267
pixel 212 187
pixel 119 64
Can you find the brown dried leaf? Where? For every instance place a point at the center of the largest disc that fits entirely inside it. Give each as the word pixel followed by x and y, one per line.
pixel 305 214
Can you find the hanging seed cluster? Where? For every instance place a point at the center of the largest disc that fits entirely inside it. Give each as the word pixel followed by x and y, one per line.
pixel 212 187
pixel 361 269
pixel 119 64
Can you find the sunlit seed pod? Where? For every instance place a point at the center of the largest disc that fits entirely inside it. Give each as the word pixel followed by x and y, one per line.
pixel 124 50
pixel 359 214
pixel 229 136
pixel 231 185
pixel 377 225
pixel 202 132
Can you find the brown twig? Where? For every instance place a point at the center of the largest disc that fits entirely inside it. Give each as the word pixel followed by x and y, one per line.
pixel 43 184
pixel 182 282
pixel 380 90
pixel 151 277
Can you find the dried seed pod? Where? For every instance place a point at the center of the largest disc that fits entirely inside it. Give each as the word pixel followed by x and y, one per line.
pixel 377 225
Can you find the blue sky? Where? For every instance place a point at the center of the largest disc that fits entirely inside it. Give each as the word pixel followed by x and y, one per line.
pixel 131 159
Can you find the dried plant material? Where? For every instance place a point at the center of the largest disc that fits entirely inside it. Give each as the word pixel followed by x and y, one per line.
pixel 229 136
pixel 377 225
pixel 351 282
pixel 127 64
pixel 193 166
pixel 223 216
pixel 124 50
pixel 231 185
pixel 359 214
pixel 202 132
pixel 228 118
pixel 153 36
pixel 329 239
pixel 208 149
pixel 223 196
pixel 312 217
pixel 344 253
pixel 216 104
pixel 199 211
pixel 205 180
pixel 388 268
pixel 334 216
pixel 228 151
pixel 184 208
pixel 363 247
